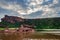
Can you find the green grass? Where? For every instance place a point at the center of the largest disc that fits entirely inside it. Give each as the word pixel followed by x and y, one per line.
pixel 1 28
pixel 4 28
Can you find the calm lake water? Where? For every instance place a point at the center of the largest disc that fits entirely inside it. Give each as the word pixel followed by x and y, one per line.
pixel 28 36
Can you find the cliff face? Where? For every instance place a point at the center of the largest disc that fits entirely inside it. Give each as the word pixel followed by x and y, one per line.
pixel 12 19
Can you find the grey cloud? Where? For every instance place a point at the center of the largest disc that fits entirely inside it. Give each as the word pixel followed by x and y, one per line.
pixel 4 9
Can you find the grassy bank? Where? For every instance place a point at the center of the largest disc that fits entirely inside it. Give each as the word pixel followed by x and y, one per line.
pixel 4 28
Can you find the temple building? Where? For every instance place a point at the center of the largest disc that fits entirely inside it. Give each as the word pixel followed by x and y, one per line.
pixel 26 28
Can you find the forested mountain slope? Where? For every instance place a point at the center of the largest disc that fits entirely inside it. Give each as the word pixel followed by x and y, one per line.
pixel 41 23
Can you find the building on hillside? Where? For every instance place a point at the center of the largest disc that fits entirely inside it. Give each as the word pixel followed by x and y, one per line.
pixel 26 28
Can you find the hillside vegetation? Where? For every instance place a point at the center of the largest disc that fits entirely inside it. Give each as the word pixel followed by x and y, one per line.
pixel 44 23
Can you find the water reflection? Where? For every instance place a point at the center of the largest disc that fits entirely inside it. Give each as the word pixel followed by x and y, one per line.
pixel 26 36
pixel 13 35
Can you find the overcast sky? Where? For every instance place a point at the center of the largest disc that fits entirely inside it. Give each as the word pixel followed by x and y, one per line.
pixel 30 8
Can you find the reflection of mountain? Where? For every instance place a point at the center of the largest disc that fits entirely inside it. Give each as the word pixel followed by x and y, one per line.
pixel 44 23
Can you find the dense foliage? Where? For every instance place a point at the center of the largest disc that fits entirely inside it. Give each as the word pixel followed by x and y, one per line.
pixel 46 23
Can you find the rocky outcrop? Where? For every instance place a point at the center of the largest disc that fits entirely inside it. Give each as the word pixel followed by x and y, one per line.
pixel 12 19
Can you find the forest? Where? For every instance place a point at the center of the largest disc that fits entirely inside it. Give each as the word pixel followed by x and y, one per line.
pixel 43 23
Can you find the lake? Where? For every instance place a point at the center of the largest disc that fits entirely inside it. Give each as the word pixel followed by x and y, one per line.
pixel 28 36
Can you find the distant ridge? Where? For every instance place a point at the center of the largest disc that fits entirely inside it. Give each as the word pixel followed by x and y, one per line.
pixel 12 19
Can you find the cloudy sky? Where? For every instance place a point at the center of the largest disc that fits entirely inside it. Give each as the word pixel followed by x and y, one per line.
pixel 30 8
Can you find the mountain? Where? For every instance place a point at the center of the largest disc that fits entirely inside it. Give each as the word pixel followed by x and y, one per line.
pixel 43 23
pixel 12 19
